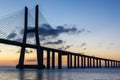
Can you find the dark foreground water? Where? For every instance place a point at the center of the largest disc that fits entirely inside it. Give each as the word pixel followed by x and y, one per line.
pixel 10 73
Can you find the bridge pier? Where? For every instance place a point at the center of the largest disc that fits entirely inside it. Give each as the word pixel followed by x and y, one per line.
pixel 78 59
pixel 99 63
pixel 84 62
pixel 118 64
pixel 59 60
pixel 111 64
pixel 108 64
pixel 114 63
pixel 23 46
pixel 93 63
pixel 68 61
pixel 53 60
pixel 81 61
pixel 22 53
pixel 48 59
pixel 74 61
pixel 105 63
pixel 90 62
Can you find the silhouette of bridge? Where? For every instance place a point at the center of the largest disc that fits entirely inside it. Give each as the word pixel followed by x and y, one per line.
pixel 80 60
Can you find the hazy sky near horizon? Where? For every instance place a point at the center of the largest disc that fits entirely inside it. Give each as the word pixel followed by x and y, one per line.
pixel 98 19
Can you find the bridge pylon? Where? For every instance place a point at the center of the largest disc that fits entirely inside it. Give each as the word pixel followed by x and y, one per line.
pixel 38 47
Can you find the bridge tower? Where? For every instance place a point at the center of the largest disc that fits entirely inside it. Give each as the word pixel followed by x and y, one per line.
pixel 38 47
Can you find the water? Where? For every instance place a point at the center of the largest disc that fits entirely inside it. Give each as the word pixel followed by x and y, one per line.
pixel 10 73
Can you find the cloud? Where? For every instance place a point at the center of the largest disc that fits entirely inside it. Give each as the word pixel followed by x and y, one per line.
pixel 34 60
pixel 55 42
pixel 11 35
pixel 46 30
pixel 84 48
pixel 111 44
pixel 42 38
pixel 18 40
pixel 31 60
pixel 65 47
pixel 47 33
pixel 83 44
pixel 26 51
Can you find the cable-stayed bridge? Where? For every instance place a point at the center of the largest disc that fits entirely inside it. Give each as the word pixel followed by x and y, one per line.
pixel 79 61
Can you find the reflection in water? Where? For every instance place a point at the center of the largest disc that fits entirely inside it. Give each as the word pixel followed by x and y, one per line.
pixel 70 74
pixel 39 75
pixel 62 74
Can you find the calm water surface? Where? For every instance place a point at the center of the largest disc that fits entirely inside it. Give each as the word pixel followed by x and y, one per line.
pixel 10 73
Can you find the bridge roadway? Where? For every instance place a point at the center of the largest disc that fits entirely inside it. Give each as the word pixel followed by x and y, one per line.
pixel 80 60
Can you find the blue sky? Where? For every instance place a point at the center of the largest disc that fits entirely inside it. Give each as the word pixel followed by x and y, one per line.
pixel 100 17
pixel 80 12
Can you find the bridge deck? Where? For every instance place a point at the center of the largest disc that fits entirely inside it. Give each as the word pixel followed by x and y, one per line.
pixel 86 60
pixel 4 41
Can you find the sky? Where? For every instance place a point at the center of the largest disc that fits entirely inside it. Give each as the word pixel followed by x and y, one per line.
pixel 90 27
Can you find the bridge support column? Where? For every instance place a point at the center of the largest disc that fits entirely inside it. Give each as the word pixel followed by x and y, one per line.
pixel 78 61
pixel 90 63
pixel 116 63
pixel 93 63
pixel 68 61
pixel 22 53
pixel 99 63
pixel 105 63
pixel 59 60
pixel 38 48
pixel 111 64
pixel 108 64
pixel 84 61
pixel 81 61
pixel 74 61
pixel 48 59
pixel 53 59
pixel 119 63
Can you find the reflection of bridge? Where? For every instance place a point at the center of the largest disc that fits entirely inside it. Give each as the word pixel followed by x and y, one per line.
pixel 80 60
